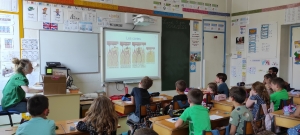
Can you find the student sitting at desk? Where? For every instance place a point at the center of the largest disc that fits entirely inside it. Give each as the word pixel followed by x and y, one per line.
pixel 39 124
pixel 267 82
pixel 273 71
pixel 100 119
pixel 258 96
pixel 237 95
pixel 180 87
pixel 222 86
pixel 211 90
pixel 140 96
pixel 196 113
pixel 280 93
pixel 14 90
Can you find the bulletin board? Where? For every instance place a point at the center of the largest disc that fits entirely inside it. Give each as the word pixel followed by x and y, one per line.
pixel 257 68
pixel 262 41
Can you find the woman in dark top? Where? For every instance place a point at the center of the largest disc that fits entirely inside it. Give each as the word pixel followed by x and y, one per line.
pixel 100 119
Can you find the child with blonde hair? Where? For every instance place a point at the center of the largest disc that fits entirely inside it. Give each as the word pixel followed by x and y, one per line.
pixel 101 118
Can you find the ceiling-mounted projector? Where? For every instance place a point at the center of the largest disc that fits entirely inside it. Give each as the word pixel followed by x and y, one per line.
pixel 143 20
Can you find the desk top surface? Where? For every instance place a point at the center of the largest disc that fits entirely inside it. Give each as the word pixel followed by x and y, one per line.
pixel 12 130
pixel 171 126
pixel 281 114
pixel 160 98
pixel 223 102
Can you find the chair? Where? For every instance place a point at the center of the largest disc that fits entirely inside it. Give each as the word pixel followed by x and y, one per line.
pixel 9 113
pixel 208 98
pixel 261 111
pixel 284 103
pixel 248 129
pixel 221 132
pixel 146 112
pixel 180 104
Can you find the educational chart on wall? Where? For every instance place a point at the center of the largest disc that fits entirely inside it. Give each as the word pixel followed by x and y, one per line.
pixel 130 55
pixel 262 42
pixel 292 15
pixel 167 5
pixel 9 5
pixel 257 68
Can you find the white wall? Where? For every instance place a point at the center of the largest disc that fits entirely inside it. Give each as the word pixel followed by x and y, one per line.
pixel 277 16
pixel 92 82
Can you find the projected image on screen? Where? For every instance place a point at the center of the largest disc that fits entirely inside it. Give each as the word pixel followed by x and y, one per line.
pixel 130 55
pixel 138 56
pixel 125 57
pixel 150 55
pixel 112 55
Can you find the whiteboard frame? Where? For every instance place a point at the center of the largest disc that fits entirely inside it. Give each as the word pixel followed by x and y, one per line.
pixel 98 59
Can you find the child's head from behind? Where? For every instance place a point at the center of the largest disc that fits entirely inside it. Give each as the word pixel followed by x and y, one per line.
pixel 180 86
pixel 145 131
pixel 146 83
pixel 195 96
pixel 237 94
pixel 273 70
pixel 277 84
pixel 102 115
pixel 212 87
pixel 260 90
pixel 38 106
pixel 221 77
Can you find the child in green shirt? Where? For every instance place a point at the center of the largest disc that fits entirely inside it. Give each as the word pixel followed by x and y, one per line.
pixel 277 84
pixel 196 113
pixel 240 114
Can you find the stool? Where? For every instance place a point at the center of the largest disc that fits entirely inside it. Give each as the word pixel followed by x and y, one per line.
pixel 9 113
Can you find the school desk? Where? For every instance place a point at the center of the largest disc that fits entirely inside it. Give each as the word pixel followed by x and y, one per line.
pixel 126 107
pixel 12 130
pixel 66 124
pixel 296 98
pixel 225 105
pixel 286 121
pixel 62 106
pixel 164 127
pixel 84 103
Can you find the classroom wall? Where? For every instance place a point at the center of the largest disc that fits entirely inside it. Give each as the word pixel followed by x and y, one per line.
pixel 92 82
pixel 277 16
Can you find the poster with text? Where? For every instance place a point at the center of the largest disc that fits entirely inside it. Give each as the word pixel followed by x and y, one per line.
pixel 57 15
pixel 30 12
pixel 44 13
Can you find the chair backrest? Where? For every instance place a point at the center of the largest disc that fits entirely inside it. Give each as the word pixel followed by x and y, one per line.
pixel 285 103
pixel 143 109
pixel 261 111
pixel 177 106
pixel 248 128
pixel 221 132
pixel 208 98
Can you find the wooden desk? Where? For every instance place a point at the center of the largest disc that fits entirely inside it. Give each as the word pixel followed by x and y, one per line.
pixel 68 123
pixel 12 130
pixel 286 121
pixel 223 105
pixel 296 98
pixel 163 127
pixel 128 107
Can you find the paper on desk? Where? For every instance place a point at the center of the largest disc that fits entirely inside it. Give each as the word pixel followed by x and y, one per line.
pixel 172 120
pixel 214 117
pixel 128 102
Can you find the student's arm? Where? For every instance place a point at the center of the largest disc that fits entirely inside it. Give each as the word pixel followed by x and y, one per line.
pixel 234 121
pixel 178 123
pixel 184 117
pixel 232 130
pixel 27 89
pixel 132 99
pixel 251 100
pixel 81 126
pixel 53 128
